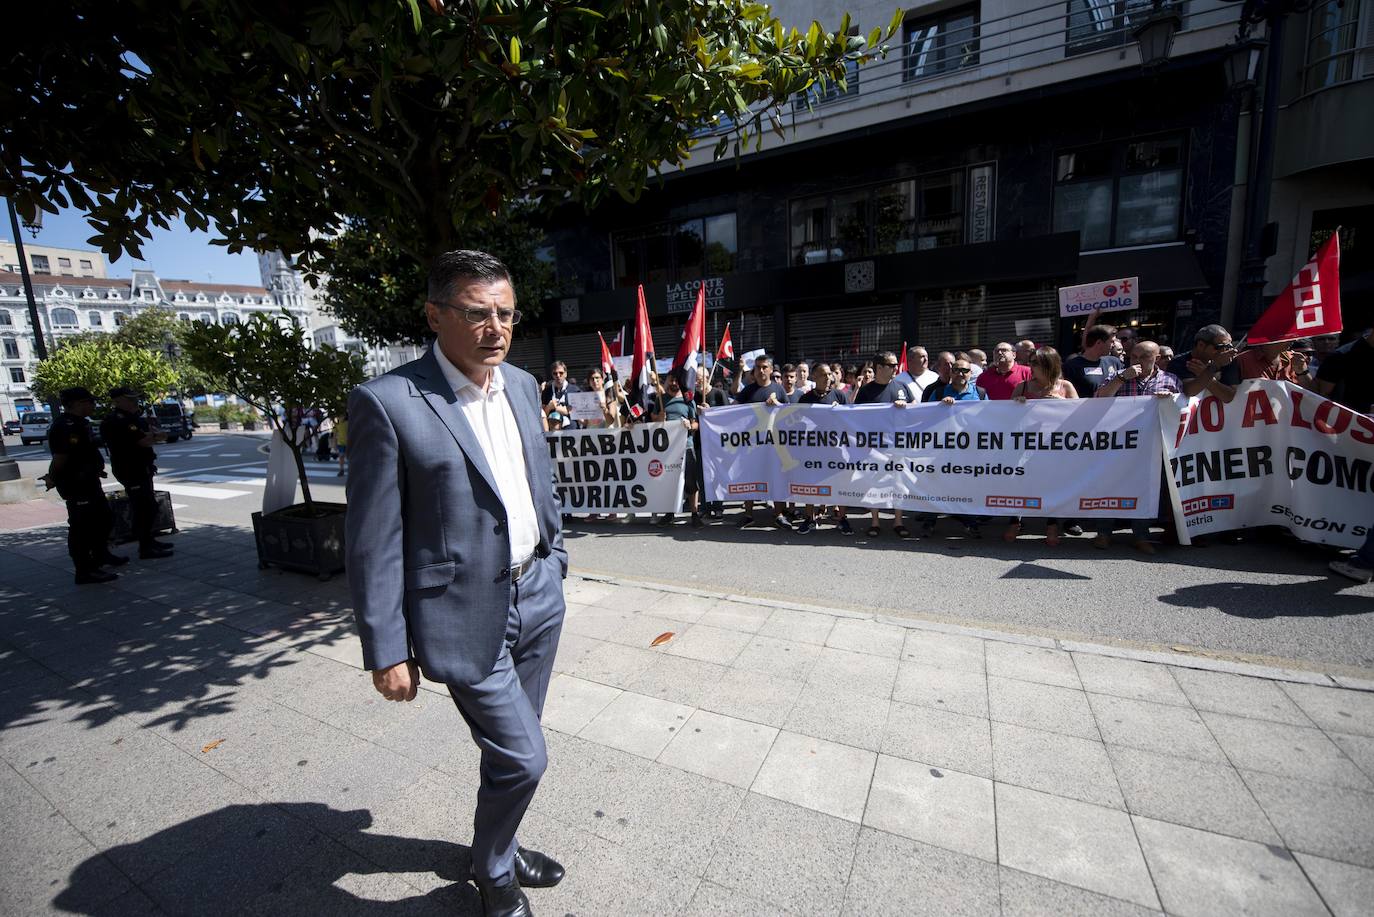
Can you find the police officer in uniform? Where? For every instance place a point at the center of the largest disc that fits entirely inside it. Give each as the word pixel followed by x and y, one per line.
pixel 76 470
pixel 130 442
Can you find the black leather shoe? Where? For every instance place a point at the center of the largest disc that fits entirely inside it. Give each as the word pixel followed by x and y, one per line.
pixel 504 900
pixel 536 870
pixel 153 553
pixel 113 560
pixel 162 545
pixel 85 577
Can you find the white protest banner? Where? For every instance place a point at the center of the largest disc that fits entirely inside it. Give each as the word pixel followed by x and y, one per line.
pixel 1095 458
pixel 637 469
pixel 586 406
pixel 1276 455
pixel 1102 296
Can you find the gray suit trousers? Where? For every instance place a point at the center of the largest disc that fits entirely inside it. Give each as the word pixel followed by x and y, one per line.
pixel 503 710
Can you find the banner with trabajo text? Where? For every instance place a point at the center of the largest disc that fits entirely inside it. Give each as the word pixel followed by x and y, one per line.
pixel 1275 455
pixel 637 469
pixel 1094 458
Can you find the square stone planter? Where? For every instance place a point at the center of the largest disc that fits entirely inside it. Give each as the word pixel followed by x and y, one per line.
pixel 307 540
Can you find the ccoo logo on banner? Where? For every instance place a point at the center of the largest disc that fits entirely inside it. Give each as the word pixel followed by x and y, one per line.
pixel 1276 455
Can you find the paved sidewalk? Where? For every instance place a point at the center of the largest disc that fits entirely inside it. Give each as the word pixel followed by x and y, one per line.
pixel 199 739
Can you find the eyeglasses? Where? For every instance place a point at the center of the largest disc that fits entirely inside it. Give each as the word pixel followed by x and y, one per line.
pixel 962 369
pixel 482 316
pixel 890 365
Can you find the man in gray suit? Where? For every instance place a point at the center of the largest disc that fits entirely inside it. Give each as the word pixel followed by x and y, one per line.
pixel 455 553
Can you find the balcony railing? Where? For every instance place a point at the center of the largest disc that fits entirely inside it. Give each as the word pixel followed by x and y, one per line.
pixel 1030 38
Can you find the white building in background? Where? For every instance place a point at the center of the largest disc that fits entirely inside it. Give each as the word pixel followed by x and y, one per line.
pixel 71 305
pixel 378 359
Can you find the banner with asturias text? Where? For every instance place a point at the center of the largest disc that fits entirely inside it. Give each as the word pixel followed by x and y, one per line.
pixel 637 469
pixel 1078 459
pixel 1276 455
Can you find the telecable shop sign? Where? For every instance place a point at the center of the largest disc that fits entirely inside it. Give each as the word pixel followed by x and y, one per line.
pixel 1102 296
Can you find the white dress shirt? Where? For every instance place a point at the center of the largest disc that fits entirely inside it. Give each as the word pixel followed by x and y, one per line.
pixel 493 423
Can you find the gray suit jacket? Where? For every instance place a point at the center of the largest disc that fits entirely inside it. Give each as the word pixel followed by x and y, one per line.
pixel 428 554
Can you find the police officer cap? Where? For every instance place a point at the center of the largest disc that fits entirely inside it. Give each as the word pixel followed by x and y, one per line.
pixel 75 394
pixel 123 391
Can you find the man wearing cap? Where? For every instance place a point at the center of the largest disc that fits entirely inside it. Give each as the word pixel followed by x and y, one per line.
pixel 76 470
pixel 130 442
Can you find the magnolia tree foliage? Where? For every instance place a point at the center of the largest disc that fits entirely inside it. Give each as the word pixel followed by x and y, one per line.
pixel 100 364
pixel 276 123
pixel 377 292
pixel 268 362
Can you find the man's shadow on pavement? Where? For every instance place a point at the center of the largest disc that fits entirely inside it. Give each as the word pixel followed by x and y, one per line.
pixel 283 858
pixel 1318 598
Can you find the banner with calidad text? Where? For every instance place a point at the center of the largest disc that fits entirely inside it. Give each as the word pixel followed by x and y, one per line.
pixel 1078 459
pixel 1277 454
pixel 636 469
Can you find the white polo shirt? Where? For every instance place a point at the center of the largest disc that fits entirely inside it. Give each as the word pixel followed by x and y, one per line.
pixel 493 423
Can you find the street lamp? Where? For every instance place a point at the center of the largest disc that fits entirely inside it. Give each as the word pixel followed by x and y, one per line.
pixel 32 224
pixel 1242 64
pixel 1155 35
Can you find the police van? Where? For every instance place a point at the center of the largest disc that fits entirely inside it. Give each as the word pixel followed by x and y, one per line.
pixel 33 427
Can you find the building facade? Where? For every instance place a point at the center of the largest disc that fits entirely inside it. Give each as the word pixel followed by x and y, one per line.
pixel 1002 150
pixel 59 262
pixel 68 306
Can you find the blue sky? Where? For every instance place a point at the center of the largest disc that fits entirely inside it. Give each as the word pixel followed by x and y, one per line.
pixel 176 253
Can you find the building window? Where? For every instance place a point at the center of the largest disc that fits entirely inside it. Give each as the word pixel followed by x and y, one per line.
pixel 184 316
pixel 1098 24
pixel 64 318
pixel 11 349
pixel 40 264
pixel 93 318
pixel 114 294
pixel 86 265
pixel 941 43
pixel 147 295
pixel 17 374
pixel 903 216
pixel 207 318
pixel 1121 195
pixel 670 252
pixel 5 320
pixel 64 262
pixel 1333 31
pixel 119 319
pixel 229 318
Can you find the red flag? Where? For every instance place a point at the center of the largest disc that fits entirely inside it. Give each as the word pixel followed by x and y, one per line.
pixel 607 367
pixel 693 344
pixel 901 360
pixel 618 343
pixel 726 350
pixel 643 353
pixel 1311 304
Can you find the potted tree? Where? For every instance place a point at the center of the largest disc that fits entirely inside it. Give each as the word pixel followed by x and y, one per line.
pixel 268 363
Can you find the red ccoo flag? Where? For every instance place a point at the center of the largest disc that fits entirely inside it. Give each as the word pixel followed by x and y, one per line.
pixel 643 353
pixel 1310 305
pixel 691 350
pixel 607 367
pixel 726 350
pixel 901 360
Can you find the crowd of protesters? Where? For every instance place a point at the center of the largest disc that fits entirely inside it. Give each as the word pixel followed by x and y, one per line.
pixel 1110 362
